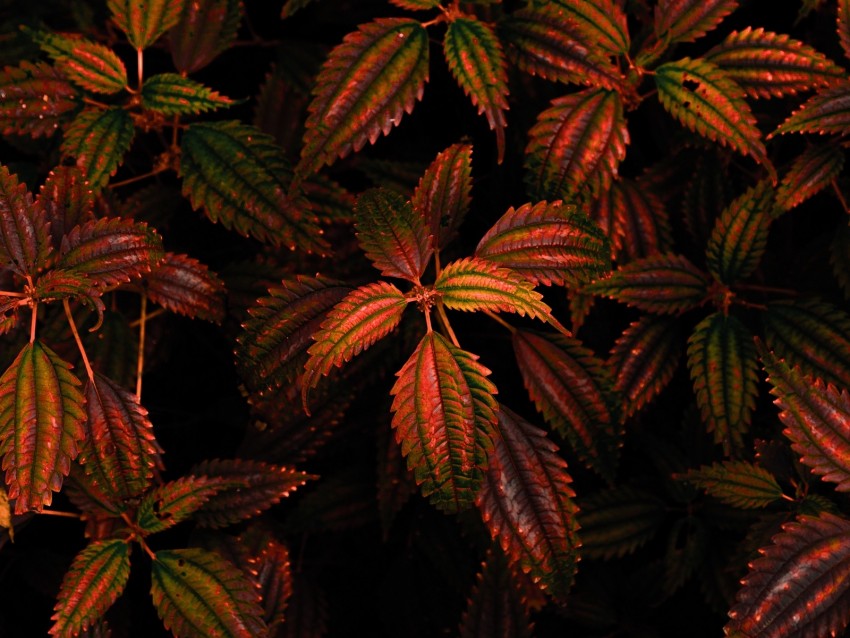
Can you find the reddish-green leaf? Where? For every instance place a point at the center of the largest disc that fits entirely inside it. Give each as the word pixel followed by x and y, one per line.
pixel 184 285
pixel 767 64
pixel 34 98
pixel 442 196
pixel 253 487
pixel 474 55
pixel 291 6
pixel 145 20
pixel 24 231
pixel 577 143
pixel 640 218
pixel 665 283
pixel 844 26
pixel 90 64
pixel 58 284
pixel 197 594
pixel 416 5
pixel 367 83
pixel 273 574
pixel 273 346
pixel 98 139
pixel 239 176
pixel 120 451
pixel 392 233
pixel 41 425
pixel 705 196
pixel 66 199
pixel 687 20
pixel 94 581
pixel 575 393
pixel 826 112
pixel 443 415
pixel 547 243
pixel 204 29
pixel 601 23
pixel 811 172
pixel 799 586
pixel 174 502
pixel 616 522
pixel 736 483
pixel 363 317
pixel 173 94
pixel 707 101
pixel 526 502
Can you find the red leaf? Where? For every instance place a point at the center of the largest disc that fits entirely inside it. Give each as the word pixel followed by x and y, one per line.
pixel 442 196
pixel 640 218
pixel 687 20
pixel 826 112
pixel 34 99
pixel 184 285
pixel 811 172
pixel 204 29
pixel 66 200
pixel 843 20
pixel 24 233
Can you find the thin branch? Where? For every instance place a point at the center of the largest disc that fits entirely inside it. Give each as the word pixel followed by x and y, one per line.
pixel 500 321
pixel 140 64
pixel 140 361
pixel 79 341
pixel 137 178
pixel 151 315
pixel 840 196
pixel 444 322
pixel 60 513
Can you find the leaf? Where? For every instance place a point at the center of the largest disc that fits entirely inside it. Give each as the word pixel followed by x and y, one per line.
pixel 89 64
pixel 94 581
pixel 393 235
pixel 120 452
pixel 809 173
pixel 641 218
pixel 198 594
pixel 443 416
pixel 416 5
pixel 66 200
pixel 111 251
pixel 41 425
pixel 291 6
pixel 844 26
pixel 253 487
pixel 665 283
pixel 145 20
pixel 173 94
pixel 737 483
pixel 723 366
pixel 184 285
pixel 616 522
pixel 575 393
pixel 798 586
pixel 825 112
pixel 273 346
pixel 688 20
pixel 547 243
pixel 362 318
pixel 239 176
pixel 705 196
pixel 526 502
pixel 204 29
pixel 767 64
pixel 475 59
pixel 577 143
pixel 34 99
pixel 739 238
pixel 368 81
pixel 98 140
pixel 599 24
pixel 174 502
pixel 273 575
pixel 24 232
pixel 307 612
pixel 442 197
pixel 707 101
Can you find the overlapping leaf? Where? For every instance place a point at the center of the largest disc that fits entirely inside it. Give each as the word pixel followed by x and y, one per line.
pixel 526 502
pixel 41 425
pixel 444 415
pixel 640 218
pixel 828 111
pixel 98 140
pixel 174 502
pixel 496 606
pixel 367 83
pixel 184 285
pixel 393 234
pixel 687 20
pixel 66 200
pixel 24 231
pixel 199 594
pixel 34 98
pixel 442 196
pixel 598 24
pixel 548 244
pixel 273 574
pixel 798 587
pixel 736 483
pixel 204 29
pixel 811 172
pixel 145 20
pixel 173 94
pixel 618 521
pixel 577 143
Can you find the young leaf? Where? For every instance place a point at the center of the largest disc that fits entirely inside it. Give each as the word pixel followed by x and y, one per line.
pixel 665 283
pixel 91 65
pixel 273 574
pixel 173 94
pixel 199 594
pixel 442 197
pixel 145 20
pixel 66 200
pixel 687 20
pixel 577 143
pixel 598 24
pixel 184 285
pixel 367 83
pixel 723 365
pixel 392 233
pixel 641 218
pixel 736 483
pixel 707 101
pixel 767 64
pixel 811 172
pixel 475 59
pixel 239 176
pixel 444 415
pixel 41 425
pixel 94 581
pixel 547 243
pixel 174 502
pixel 798 587
pixel 618 521
pixel 34 98
pixel 98 140
pixel 204 29
pixel 526 502
pixel 24 232
pixel 824 112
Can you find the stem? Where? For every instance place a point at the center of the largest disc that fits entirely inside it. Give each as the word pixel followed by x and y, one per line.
pixel 140 64
pixel 444 322
pixel 59 513
pixel 79 341
pixel 840 196
pixel 34 306
pixel 151 315
pixel 137 178
pixel 140 361
pixel 12 293
pixel 760 288
pixel 500 321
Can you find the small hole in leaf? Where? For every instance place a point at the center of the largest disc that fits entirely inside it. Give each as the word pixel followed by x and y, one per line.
pixel 691 85
pixel 181 562
pixel 686 104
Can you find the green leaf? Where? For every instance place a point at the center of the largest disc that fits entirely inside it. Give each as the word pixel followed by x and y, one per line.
pixel 94 581
pixel 475 59
pixel 392 233
pixel 723 365
pixel 184 285
pixel 618 521
pixel 364 88
pixel 739 238
pixel 205 29
pixel 174 502
pixel 239 176
pixel 706 100
pixel 687 20
pixel 810 172
pixel 577 143
pixel 24 232
pixel 736 483
pixel 598 24
pixel 497 605
pixel 442 196
pixel 443 416
pixel 547 243
pixel 98 140
pixel 825 112
pixel 89 64
pixel 41 425
pixel 198 594
pixel 145 20
pixel 34 99
pixel 173 94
